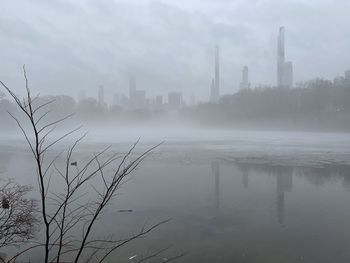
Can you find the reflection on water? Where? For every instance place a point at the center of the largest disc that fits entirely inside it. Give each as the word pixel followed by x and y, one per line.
pixel 245 178
pixel 215 167
pixel 232 212
pixel 284 184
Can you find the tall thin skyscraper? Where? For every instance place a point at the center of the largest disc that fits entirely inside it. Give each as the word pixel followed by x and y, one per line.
pixel 217 73
pixel 212 91
pixel 280 56
pixel 284 69
pixel 215 89
pixel 245 78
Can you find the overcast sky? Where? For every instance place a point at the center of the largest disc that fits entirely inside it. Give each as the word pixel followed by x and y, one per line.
pixel 68 45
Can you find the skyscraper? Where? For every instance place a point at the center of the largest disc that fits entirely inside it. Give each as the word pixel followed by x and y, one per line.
pixel 280 56
pixel 215 87
pixel 287 79
pixel 217 73
pixel 212 91
pixel 284 69
pixel 174 100
pixel 137 98
pixel 159 102
pixel 245 79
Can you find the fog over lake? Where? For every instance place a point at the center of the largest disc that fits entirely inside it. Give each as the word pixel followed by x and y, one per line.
pixel 231 195
pixel 156 131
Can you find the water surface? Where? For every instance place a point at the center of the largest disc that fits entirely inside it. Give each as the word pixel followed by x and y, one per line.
pixel 227 205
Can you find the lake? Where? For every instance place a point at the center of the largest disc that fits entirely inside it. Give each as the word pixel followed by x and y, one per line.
pixel 259 197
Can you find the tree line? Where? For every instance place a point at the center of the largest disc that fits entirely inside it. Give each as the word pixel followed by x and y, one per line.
pixel 317 104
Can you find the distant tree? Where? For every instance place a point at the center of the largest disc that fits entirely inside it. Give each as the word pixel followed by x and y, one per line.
pixel 17 215
pixel 88 108
pixel 317 103
pixel 59 106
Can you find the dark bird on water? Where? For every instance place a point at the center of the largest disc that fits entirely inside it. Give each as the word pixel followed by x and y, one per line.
pixel 5 203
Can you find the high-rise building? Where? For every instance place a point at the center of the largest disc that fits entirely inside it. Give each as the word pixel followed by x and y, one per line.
pixel 137 98
pixel 174 100
pixel 245 79
pixel 284 69
pixel 287 79
pixel 347 75
pixel 280 56
pixel 215 89
pixel 159 102
pixel 217 73
pixel 212 91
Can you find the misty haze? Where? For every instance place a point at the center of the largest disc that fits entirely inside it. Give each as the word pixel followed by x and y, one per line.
pixel 174 131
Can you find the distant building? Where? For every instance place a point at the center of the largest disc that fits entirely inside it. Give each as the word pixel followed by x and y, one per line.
pixel 137 98
pixel 347 75
pixel 159 102
pixel 245 78
pixel 217 73
pixel 212 91
pixel 101 97
pixel 287 79
pixel 215 89
pixel 284 69
pixel 280 56
pixel 124 101
pixel 174 100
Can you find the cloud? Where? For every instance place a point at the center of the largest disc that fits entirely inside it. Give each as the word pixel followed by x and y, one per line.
pixel 167 45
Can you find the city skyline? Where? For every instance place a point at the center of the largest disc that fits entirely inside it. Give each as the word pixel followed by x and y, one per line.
pixel 129 35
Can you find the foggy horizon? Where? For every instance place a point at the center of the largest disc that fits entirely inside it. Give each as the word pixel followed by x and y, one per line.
pixel 69 46
pixel 211 131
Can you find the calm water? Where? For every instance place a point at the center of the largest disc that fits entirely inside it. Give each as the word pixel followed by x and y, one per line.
pixel 225 208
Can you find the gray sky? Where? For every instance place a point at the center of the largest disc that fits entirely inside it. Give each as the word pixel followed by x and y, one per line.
pixel 167 45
